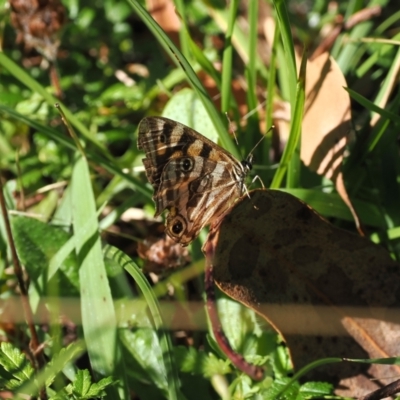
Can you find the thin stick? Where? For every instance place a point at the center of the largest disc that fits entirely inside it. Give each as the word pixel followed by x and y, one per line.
pixel 237 359
pixel 384 392
pixel 36 355
pixel 19 179
pixel 71 131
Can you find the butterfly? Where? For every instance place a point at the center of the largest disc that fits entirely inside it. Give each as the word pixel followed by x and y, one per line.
pixel 196 180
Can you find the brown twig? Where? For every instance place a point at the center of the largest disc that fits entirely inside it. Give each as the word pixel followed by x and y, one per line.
pixel 386 391
pixel 55 80
pixel 363 15
pixel 19 179
pixel 35 353
pixel 237 359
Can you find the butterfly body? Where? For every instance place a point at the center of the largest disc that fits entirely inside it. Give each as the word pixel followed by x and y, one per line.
pixel 193 178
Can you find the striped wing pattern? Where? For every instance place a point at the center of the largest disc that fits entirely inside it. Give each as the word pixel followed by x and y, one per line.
pixel 193 178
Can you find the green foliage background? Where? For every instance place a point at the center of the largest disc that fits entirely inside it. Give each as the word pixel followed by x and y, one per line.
pixel 101 42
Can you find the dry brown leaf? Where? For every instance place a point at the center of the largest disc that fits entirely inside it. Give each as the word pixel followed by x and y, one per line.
pixel 164 13
pixel 237 90
pixel 327 117
pixel 162 253
pixel 327 124
pixel 38 25
pixel 329 292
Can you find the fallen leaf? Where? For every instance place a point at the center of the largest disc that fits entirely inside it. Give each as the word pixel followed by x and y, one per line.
pixel 327 117
pixel 327 124
pixel 330 293
pixel 164 13
pixel 162 253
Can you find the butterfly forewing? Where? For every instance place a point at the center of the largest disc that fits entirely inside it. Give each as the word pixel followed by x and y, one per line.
pixel 193 178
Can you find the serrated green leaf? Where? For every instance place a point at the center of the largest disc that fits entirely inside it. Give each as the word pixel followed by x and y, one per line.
pixel 214 365
pixel 58 361
pixel 13 384
pixel 273 392
pixel 244 388
pixel 238 322
pixel 197 362
pixel 82 383
pixel 46 376
pixel 97 388
pixel 82 388
pixel 14 361
pixel 60 396
pixel 189 359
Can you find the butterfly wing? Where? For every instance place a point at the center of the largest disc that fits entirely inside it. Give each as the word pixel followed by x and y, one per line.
pixel 193 178
pixel 195 198
pixel 162 139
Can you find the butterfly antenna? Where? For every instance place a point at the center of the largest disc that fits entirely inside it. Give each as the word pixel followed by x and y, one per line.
pixel 262 138
pixel 231 128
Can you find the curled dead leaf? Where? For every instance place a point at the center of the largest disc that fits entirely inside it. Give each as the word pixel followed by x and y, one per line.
pixel 38 24
pixel 162 253
pixel 330 293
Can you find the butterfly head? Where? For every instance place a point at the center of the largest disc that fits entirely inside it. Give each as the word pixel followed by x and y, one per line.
pixel 247 164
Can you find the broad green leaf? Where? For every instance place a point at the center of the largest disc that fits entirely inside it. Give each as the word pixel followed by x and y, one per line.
pixel 186 108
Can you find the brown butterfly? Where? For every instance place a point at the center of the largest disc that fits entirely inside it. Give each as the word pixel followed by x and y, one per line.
pixel 196 180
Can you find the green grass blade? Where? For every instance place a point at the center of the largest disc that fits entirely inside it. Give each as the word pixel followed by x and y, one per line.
pixel 377 55
pixel 381 361
pixel 226 90
pixel 293 176
pixel 287 40
pixel 303 371
pixel 152 302
pixel 367 142
pixel 98 314
pixel 183 38
pixel 36 87
pixel 194 81
pixel 345 58
pixel 373 107
pixel 295 132
pixel 253 123
pixel 63 140
pixel 271 81
pixel 239 39
pixel 389 81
